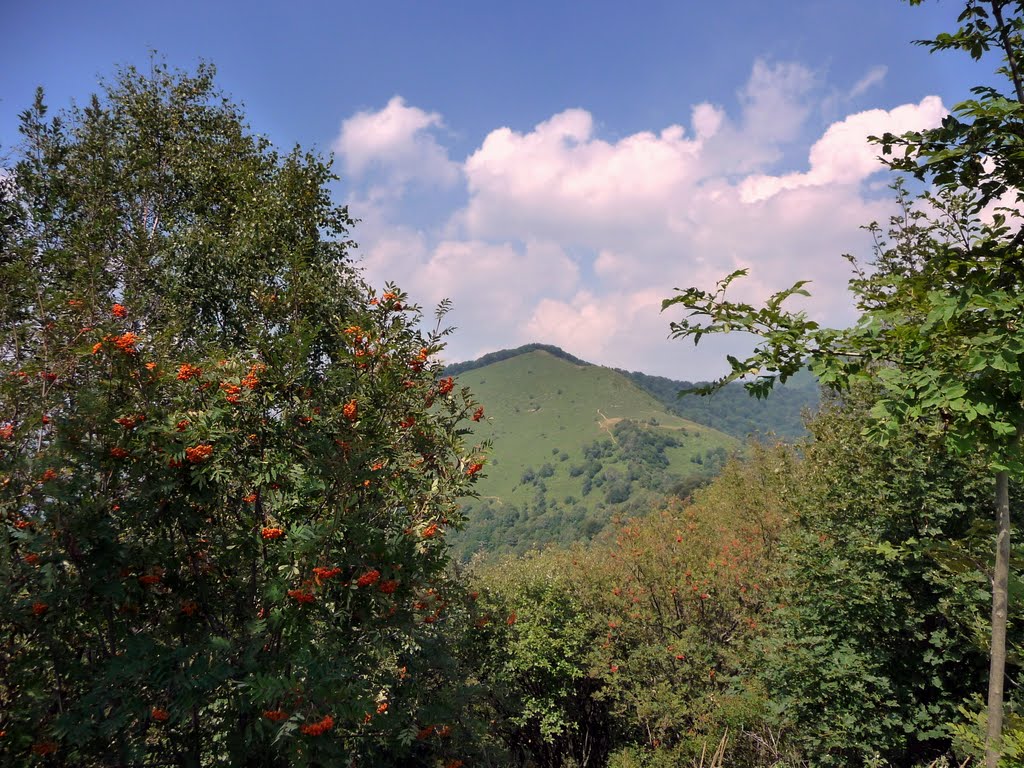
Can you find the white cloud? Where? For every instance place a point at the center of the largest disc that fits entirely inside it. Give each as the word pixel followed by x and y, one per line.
pixel 873 77
pixel 569 238
pixel 707 119
pixel 775 102
pixel 844 155
pixel 494 285
pixel 561 182
pixel 397 139
pixel 619 326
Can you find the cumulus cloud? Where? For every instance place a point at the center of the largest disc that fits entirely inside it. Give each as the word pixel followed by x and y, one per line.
pixel 774 100
pixel 592 324
pixel 707 119
pixel 569 238
pixel 399 140
pixel 494 285
pixel 561 182
pixel 843 155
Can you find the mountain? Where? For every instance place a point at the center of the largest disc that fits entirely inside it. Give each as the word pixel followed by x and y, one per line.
pixel 730 410
pixel 573 445
pixel 733 410
pixel 504 354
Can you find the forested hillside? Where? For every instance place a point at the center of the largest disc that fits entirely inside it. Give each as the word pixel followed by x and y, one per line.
pixel 816 607
pixel 573 445
pixel 733 411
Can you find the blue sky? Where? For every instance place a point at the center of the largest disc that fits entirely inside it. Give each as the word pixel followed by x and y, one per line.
pixel 554 168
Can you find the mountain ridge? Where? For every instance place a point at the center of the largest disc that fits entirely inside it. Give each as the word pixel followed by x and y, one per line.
pixel 454 369
pixel 730 410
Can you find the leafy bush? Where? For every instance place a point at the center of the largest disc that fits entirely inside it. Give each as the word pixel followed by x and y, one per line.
pixel 881 634
pixel 643 642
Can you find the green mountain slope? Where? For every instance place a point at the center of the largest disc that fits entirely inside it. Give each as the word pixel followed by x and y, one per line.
pixel 574 444
pixel 733 410
pixel 504 354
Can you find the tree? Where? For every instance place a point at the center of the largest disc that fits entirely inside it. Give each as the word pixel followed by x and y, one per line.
pixel 226 464
pixel 879 635
pixel 940 326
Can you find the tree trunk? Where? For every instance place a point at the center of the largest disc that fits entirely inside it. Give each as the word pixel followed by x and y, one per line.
pixel 1000 593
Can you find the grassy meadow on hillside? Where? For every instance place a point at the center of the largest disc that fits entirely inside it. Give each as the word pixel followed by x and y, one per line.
pixel 730 410
pixel 573 443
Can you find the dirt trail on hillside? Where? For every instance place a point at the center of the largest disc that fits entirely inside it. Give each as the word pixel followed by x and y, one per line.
pixel 607 423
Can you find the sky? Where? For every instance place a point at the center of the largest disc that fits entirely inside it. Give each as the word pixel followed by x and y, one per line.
pixel 555 168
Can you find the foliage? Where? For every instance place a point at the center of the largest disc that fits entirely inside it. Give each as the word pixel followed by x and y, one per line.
pixel 940 305
pixel 227 467
pixel 968 734
pixel 939 328
pixel 638 649
pixel 977 147
pixel 733 412
pixel 532 639
pixel 822 608
pixel 882 634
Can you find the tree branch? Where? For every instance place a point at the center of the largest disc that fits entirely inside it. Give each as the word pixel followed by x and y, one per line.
pixel 1004 39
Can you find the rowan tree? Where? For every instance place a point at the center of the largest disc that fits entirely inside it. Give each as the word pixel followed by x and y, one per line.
pixel 227 465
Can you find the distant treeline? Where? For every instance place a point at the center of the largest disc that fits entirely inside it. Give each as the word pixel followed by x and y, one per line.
pixel 733 410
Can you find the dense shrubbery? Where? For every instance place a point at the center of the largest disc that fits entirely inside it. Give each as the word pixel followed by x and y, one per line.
pixel 642 643
pixel 881 636
pixel 817 609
